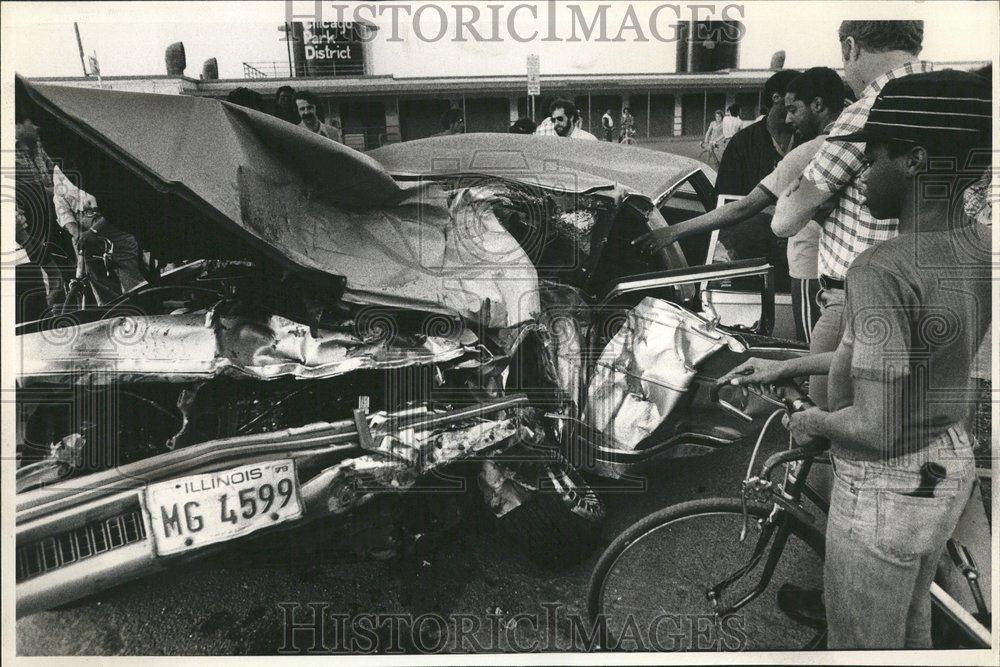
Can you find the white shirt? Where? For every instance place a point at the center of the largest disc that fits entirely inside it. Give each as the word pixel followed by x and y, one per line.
pixel 70 201
pixel 730 126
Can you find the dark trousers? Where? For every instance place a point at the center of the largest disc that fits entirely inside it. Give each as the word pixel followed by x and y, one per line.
pixel 805 308
pixel 125 259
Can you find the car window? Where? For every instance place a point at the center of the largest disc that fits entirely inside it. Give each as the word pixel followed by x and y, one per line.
pixel 558 232
pixel 750 240
pixel 687 202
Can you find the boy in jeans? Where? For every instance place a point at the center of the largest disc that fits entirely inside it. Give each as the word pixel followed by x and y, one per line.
pixel 916 309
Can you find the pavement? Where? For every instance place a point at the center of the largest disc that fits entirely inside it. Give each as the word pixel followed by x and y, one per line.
pixel 473 591
pixel 686 146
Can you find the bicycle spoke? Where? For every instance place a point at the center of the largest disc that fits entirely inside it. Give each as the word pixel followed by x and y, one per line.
pixel 702 550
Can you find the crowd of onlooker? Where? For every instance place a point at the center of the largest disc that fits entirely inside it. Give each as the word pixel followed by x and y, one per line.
pixel 883 208
pixel 299 107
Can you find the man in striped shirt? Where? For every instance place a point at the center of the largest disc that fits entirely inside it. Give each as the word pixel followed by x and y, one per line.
pixel 874 53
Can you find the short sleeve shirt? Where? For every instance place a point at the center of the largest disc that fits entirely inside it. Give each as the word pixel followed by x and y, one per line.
pixel 730 126
pixel 916 311
pixel 851 229
pixel 545 128
pixel 803 248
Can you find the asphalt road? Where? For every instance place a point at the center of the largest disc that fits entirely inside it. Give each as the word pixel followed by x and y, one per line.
pixel 473 581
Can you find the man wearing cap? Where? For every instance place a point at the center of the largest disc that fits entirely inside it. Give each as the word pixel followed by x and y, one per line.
pixel 874 53
pixel 899 388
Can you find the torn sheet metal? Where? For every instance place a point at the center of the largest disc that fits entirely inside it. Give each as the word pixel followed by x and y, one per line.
pixel 502 490
pixel 182 348
pixel 403 456
pixel 646 369
pixel 64 457
pixel 245 178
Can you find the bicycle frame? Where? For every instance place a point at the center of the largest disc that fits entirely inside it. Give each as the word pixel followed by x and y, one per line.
pixel 787 507
pixel 779 527
pixel 80 287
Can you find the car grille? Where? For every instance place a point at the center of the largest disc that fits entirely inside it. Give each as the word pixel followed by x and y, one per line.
pixel 93 539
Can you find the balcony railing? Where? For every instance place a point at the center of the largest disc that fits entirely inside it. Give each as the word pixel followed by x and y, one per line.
pixel 278 69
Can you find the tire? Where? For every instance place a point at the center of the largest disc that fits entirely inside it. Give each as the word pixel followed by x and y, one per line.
pixel 696 545
pixel 559 527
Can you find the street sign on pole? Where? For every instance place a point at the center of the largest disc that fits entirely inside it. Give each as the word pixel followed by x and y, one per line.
pixel 95 68
pixel 534 75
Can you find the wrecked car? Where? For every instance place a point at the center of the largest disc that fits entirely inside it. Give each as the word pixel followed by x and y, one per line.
pixel 321 328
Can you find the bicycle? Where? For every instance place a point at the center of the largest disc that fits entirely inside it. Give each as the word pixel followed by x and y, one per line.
pixel 80 293
pixel 710 154
pixel 774 512
pixel 628 137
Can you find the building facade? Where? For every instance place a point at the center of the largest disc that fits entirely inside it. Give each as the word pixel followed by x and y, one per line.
pixel 377 110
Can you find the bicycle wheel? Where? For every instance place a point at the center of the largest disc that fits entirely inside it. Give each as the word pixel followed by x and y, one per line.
pixel 648 590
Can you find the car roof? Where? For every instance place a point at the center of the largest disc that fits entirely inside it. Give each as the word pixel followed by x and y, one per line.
pixel 549 161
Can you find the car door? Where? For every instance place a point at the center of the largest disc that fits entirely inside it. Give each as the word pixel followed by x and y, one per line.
pixel 737 302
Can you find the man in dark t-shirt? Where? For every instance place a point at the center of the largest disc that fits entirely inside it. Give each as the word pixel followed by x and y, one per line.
pixel 755 151
pixel 750 155
pixel 900 394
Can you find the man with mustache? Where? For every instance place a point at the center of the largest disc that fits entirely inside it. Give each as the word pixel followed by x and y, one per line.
pixel 307 106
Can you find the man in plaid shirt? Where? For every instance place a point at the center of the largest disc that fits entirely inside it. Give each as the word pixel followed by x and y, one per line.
pixel 874 52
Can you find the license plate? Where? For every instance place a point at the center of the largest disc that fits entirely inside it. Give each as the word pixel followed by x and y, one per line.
pixel 192 512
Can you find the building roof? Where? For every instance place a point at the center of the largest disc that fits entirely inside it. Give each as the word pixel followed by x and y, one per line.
pixel 723 80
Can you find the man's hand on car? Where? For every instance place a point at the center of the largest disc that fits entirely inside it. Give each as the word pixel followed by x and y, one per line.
pixel 756 371
pixel 656 240
pixel 761 372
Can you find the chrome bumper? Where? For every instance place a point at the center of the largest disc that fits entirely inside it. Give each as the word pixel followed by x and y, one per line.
pixel 91 533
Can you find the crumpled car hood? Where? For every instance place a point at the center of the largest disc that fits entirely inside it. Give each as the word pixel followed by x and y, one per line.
pixel 306 202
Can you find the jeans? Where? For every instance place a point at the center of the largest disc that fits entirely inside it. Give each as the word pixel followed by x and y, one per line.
pixel 883 544
pixel 826 337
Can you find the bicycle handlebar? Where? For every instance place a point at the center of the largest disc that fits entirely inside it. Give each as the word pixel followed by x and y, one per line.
pixel 790 398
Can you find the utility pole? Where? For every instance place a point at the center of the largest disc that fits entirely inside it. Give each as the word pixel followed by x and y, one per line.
pixel 79 44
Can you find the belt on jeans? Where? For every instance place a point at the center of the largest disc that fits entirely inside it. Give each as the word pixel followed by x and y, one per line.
pixel 830 283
